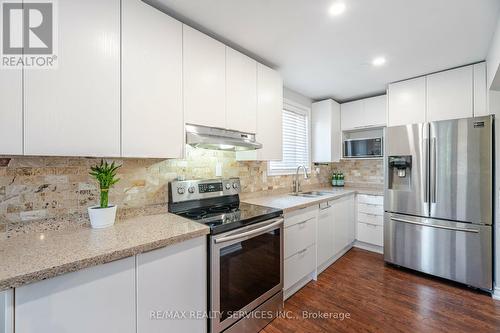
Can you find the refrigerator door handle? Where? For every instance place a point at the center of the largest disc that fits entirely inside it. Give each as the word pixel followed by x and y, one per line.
pixel 426 170
pixel 434 225
pixel 433 169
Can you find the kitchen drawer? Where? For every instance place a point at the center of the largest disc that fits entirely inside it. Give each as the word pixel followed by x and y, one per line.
pixel 371 218
pixel 299 265
pixel 371 233
pixel 371 199
pixel 371 209
pixel 301 215
pixel 300 236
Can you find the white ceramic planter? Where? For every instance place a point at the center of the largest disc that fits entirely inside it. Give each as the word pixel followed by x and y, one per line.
pixel 102 217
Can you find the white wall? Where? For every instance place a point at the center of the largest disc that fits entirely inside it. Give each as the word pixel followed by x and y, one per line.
pixel 494 106
pixel 493 60
pixel 297 98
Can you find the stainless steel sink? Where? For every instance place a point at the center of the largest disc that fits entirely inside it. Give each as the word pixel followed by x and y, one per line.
pixel 310 194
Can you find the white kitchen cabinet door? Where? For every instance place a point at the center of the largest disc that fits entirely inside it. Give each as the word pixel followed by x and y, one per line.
pixel 326 134
pixel 364 113
pixel 96 299
pixel 375 111
pixel 204 79
pixel 269 117
pixel 152 115
pixel 351 115
pixel 172 279
pixel 480 90
pixel 344 224
pixel 7 311
pixel 450 94
pixel 326 230
pixel 74 110
pixel 407 102
pixel 241 92
pixel 11 112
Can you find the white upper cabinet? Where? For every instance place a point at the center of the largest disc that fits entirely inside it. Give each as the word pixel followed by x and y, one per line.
pixel 407 102
pixel 11 112
pixel 351 114
pixel 480 91
pixel 204 79
pixel 269 117
pixel 74 110
pixel 241 92
pixel 326 134
pixel 152 115
pixel 365 113
pixel 450 94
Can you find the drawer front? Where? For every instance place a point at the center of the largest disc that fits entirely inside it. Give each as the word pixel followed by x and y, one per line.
pixel 299 236
pixel 371 234
pixel 371 209
pixel 371 199
pixel 299 265
pixel 301 215
pixel 371 218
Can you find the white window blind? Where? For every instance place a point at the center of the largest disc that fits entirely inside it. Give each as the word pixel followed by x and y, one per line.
pixel 295 142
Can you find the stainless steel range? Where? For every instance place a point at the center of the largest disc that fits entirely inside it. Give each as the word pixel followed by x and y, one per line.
pixel 245 252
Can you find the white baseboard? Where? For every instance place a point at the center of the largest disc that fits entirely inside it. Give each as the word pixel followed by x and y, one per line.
pixel 496 293
pixel 333 259
pixel 369 247
pixel 299 285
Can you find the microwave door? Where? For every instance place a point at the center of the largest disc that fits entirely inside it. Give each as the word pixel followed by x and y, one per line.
pixel 461 170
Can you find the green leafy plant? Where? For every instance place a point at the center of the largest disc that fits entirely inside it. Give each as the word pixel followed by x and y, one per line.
pixel 105 174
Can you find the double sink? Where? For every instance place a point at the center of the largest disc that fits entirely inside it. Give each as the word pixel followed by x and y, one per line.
pixel 311 194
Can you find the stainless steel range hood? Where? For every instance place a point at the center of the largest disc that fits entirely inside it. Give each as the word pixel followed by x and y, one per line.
pixel 220 139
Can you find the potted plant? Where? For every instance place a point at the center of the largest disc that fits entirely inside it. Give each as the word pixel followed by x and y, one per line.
pixel 103 215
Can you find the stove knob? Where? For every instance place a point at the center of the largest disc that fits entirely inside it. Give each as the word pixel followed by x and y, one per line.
pixel 191 189
pixel 180 190
pixel 228 186
pixel 235 186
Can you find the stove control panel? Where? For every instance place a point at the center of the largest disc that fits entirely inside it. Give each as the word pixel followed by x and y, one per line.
pixel 186 190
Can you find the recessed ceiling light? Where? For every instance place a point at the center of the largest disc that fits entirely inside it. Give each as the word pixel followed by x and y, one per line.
pixel 337 8
pixel 379 61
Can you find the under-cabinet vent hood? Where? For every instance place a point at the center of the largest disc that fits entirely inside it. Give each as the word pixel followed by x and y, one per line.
pixel 220 139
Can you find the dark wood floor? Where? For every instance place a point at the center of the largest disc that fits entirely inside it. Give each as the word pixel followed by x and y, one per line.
pixel 381 298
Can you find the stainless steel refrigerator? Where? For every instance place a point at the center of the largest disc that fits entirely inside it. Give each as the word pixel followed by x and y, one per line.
pixel 439 199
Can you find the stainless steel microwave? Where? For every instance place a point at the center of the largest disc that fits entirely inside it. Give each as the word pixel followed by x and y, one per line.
pixel 363 148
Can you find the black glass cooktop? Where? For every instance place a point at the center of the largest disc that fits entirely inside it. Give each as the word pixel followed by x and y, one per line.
pixel 230 216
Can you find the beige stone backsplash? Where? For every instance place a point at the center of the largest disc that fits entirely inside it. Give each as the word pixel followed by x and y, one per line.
pixel 38 193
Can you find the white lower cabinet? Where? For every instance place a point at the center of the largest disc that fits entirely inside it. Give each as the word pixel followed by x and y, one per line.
pixel 164 290
pixel 315 237
pixel 370 226
pixel 97 299
pixel 300 248
pixel 171 281
pixel 7 311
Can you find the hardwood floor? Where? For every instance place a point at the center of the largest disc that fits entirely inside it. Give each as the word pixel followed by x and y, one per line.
pixel 382 298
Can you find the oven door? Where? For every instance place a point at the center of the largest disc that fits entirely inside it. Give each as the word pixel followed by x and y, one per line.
pixel 246 269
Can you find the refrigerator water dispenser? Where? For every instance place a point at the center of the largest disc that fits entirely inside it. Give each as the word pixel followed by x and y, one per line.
pixel 400 172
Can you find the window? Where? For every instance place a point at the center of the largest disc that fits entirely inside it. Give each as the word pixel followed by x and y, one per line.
pixel 295 140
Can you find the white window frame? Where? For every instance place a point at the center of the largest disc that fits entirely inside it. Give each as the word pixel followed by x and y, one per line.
pixel 299 108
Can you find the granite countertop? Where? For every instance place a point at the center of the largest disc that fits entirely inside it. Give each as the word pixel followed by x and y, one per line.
pixel 289 203
pixel 34 257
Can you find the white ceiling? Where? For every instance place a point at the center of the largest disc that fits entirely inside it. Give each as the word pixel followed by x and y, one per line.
pixel 323 56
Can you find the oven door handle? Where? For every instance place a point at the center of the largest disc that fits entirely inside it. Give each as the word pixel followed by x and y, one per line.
pixel 250 233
